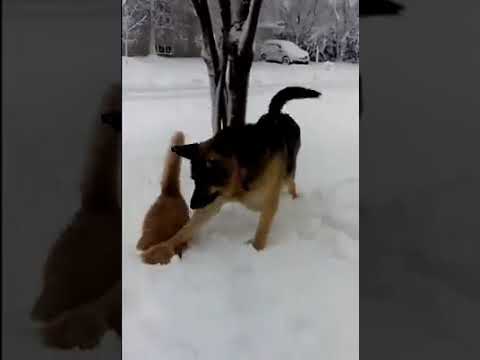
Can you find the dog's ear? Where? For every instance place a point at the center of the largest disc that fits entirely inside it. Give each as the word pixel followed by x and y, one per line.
pixel 189 151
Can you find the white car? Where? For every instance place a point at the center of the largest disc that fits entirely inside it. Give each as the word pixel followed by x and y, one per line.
pixel 283 51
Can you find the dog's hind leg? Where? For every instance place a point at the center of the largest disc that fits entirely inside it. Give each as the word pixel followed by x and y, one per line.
pixel 291 184
pixel 291 170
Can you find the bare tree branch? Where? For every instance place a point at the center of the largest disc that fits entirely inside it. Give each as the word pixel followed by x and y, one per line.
pixel 221 95
pixel 250 26
pixel 219 110
pixel 226 15
pixel 203 13
pixel 138 23
pixel 228 59
pixel 242 11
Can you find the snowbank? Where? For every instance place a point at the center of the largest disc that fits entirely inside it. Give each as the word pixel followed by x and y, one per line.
pixel 154 73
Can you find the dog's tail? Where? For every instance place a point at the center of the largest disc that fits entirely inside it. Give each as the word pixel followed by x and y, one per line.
pixel 171 171
pixel 290 93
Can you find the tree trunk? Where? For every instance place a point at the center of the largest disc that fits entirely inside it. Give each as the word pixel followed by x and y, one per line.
pixel 215 106
pixel 126 42
pixel 238 80
pixel 126 25
pixel 229 96
pixel 214 98
pixel 337 40
pixel 152 49
pixel 229 60
pixel 339 49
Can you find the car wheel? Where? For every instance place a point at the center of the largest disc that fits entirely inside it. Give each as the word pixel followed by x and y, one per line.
pixel 286 60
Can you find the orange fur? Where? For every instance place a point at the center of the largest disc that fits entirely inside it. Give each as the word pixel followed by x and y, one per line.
pixel 169 213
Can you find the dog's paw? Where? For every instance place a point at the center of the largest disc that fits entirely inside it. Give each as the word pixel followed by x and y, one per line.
pixel 83 328
pixel 158 254
pixel 250 242
pixel 256 244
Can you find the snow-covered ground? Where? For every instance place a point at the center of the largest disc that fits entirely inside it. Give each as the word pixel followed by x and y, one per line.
pixel 298 299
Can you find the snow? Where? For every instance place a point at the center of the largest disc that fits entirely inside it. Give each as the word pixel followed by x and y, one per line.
pixel 147 75
pixel 297 299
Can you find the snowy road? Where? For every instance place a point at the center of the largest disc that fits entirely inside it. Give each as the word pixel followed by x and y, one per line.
pixel 298 299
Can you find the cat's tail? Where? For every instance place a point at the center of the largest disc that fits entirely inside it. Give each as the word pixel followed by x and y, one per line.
pixel 171 170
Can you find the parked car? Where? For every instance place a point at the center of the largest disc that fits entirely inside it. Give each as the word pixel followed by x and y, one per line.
pixel 283 51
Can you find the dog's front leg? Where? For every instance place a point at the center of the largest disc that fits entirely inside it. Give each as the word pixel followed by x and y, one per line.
pixel 292 187
pixel 266 217
pixel 163 252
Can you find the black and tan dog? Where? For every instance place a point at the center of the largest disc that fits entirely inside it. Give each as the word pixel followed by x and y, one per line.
pixel 249 164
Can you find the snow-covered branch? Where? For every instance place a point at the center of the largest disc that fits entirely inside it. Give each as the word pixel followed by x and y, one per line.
pixel 225 13
pixel 209 45
pixel 250 26
pixel 228 59
pixel 137 24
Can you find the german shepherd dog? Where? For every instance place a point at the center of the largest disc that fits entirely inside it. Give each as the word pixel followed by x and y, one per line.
pixel 248 164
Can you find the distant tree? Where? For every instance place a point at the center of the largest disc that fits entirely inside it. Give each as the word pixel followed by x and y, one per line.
pixel 271 11
pixel 228 55
pixel 301 16
pixel 322 44
pixel 185 23
pixel 349 33
pixel 161 21
pixel 346 19
pixel 351 46
pixel 134 17
pixel 351 39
